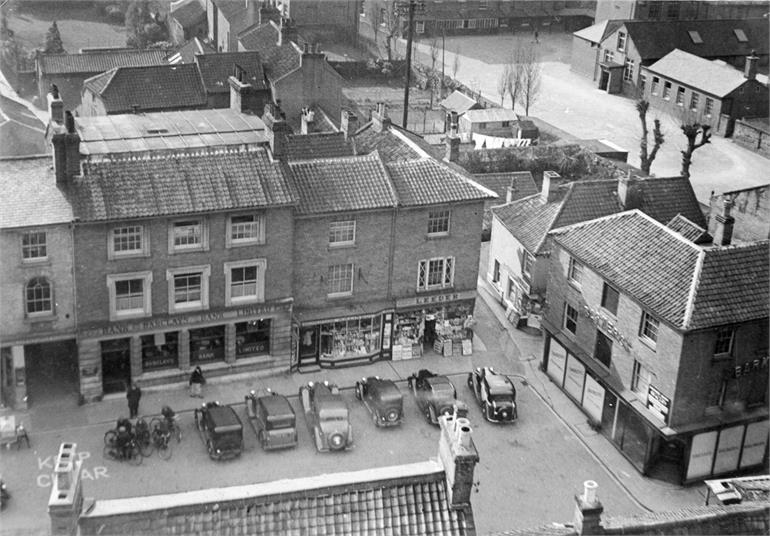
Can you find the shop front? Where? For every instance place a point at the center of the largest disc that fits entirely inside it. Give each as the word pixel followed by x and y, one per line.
pixel 637 423
pixel 440 323
pixel 164 349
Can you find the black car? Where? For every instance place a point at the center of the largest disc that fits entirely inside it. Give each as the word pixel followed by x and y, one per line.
pixel 273 420
pixel 383 400
pixel 495 393
pixel 220 429
pixel 435 395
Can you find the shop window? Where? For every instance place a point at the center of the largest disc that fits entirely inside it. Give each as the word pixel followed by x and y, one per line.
pixel 340 280
pixel 621 41
pixel 632 435
pixel 506 124
pixel 680 96
pixel 610 299
pixel 252 338
pixel 38 297
pixel 495 272
pixel 160 351
pixel 207 344
pixel 649 329
pixel 655 85
pixel 641 378
pixel 709 106
pixel 245 281
pixel 603 349
pixel 33 246
pixel 570 318
pixel 628 72
pixel 342 233
pixel 126 241
pixel 723 346
pixel 354 337
pixel 188 235
pixel 436 273
pixel 575 272
pixel 667 90
pixel 694 98
pixel 245 229
pixel 188 288
pixel 130 295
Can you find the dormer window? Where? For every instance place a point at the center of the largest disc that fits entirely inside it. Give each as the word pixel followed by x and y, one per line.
pixel 621 41
pixel 695 37
pixel 740 35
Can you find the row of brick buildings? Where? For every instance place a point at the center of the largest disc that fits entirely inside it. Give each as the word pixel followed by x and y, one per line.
pixel 187 238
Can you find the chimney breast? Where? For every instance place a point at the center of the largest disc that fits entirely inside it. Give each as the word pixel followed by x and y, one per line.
pixel 459 457
pixel 750 69
pixel 55 105
pixel 380 119
pixel 452 140
pixel 629 193
pixel 588 511
pixel 723 232
pixel 348 123
pixel 549 191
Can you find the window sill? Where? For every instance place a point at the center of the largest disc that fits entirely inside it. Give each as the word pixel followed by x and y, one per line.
pixel 36 262
pixel 123 315
pixel 243 300
pixel 436 236
pixel 245 243
pixel 433 289
pixel 574 284
pixel 342 245
pixel 40 318
pixel 721 358
pixel 652 345
pixel 180 309
pixel 339 296
pixel 132 255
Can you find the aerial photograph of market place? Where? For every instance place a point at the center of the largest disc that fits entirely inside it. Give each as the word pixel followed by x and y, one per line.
pixel 384 267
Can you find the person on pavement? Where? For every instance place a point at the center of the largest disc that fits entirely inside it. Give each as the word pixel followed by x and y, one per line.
pixel 123 436
pixel 196 383
pixel 133 395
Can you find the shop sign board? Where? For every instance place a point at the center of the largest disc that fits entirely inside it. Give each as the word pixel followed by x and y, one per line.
pixel 256 347
pixel 158 361
pixel 576 373
pixel 750 367
pixel 729 449
pixel 755 444
pixel 435 299
pixel 593 399
pixel 658 403
pixel 701 454
pixel 557 358
pixel 605 324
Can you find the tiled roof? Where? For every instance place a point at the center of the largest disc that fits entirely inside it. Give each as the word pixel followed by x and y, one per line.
pixel 458 102
pixel 528 219
pixel 600 30
pixel 188 13
pixel 426 182
pixel 522 181
pixel 342 184
pixel 21 132
pixel 489 115
pixel 654 39
pixel 98 62
pixel 186 52
pixel 216 68
pixel 278 60
pixel 318 145
pixel 407 499
pixel 714 77
pixel 21 177
pixel 151 88
pixel 179 184
pixel 688 286
pixel 665 197
pixel 694 233
pixel 391 148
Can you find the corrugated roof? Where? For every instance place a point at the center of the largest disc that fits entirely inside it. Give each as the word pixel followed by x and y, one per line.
pixel 459 102
pixel 30 195
pixel 488 115
pixel 427 181
pixel 216 68
pixel 714 77
pixel 98 62
pixel 185 129
pixel 150 88
pixel 179 184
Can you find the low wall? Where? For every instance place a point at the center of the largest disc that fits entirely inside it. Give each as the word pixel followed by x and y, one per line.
pixel 753 134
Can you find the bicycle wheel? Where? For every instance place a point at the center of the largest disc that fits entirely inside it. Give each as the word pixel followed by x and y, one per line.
pixel 110 438
pixel 177 432
pixel 155 423
pixel 110 453
pixel 146 447
pixel 134 456
pixel 164 449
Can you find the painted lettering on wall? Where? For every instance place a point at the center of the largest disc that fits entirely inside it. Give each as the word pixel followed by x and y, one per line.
pixel 601 321
pixel 658 403
pixel 750 367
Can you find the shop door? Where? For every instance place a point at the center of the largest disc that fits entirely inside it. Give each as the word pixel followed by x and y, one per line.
pixel 308 345
pixel 604 79
pixel 51 371
pixel 608 414
pixel 116 365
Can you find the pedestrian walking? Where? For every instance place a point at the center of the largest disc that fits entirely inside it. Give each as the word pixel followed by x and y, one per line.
pixel 133 395
pixel 196 383
pixel 536 36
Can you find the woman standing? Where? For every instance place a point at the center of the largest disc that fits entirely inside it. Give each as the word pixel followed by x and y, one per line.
pixel 196 383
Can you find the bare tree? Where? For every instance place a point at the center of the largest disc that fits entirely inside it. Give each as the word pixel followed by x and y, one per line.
pixel 456 62
pixel 503 83
pixel 375 18
pixel 392 26
pixel 515 74
pixel 692 126
pixel 530 69
pixel 657 135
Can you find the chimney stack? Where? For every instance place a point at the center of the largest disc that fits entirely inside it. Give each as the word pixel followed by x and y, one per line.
pixel 452 140
pixel 380 119
pixel 55 105
pixel 458 454
pixel 510 192
pixel 588 511
pixel 268 12
pixel 349 124
pixel 244 97
pixel 276 129
pixel 287 32
pixel 66 151
pixel 66 500
pixel 629 193
pixel 750 69
pixel 308 120
pixel 549 191
pixel 723 232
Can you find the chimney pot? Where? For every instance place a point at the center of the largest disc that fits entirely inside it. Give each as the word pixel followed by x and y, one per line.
pixel 549 191
pixel 348 123
pixel 588 511
pixel 750 69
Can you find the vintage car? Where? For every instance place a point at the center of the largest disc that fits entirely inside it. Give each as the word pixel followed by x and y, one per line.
pixel 383 400
pixel 273 420
pixel 326 414
pixel 220 429
pixel 435 396
pixel 495 393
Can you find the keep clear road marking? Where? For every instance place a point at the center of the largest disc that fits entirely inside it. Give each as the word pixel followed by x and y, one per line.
pixel 44 479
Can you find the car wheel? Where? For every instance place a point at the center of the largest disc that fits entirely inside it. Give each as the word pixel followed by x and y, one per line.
pixel 392 415
pixel 262 439
pixel 375 419
pixel 336 441
pixel 319 444
pixel 359 394
pixel 210 448
pixel 470 380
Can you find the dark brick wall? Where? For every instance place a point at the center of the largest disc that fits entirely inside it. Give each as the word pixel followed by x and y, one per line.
pixel 751 211
pixel 743 519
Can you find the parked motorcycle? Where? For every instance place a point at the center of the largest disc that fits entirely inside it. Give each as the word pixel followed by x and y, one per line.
pixel 4 494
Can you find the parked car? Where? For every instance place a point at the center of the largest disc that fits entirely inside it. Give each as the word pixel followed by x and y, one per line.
pixel 327 416
pixel 383 400
pixel 273 420
pixel 495 393
pixel 220 429
pixel 436 396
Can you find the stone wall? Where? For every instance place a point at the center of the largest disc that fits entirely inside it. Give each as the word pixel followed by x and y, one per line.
pixel 753 135
pixel 750 518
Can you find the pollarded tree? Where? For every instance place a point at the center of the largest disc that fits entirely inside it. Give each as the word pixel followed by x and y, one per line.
pixel 530 77
pixel 503 84
pixel 646 158
pixel 691 129
pixel 53 42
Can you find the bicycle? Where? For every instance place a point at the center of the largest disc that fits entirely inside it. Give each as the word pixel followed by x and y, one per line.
pixel 168 418
pixel 161 439
pixel 128 452
pixel 143 436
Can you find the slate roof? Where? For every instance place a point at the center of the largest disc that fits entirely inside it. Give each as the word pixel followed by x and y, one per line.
pixel 663 198
pixel 318 145
pixel 278 60
pixel 426 182
pixel 98 62
pixel 18 178
pixel 406 499
pixel 391 148
pixel 654 39
pixel 459 102
pixel 677 281
pixel 600 30
pixel 694 233
pixel 189 13
pixel 522 181
pixel 21 132
pixel 714 77
pixel 342 184
pixel 179 184
pixel 490 115
pixel 216 68
pixel 151 88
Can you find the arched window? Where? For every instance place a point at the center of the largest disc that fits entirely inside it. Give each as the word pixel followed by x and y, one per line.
pixel 38 296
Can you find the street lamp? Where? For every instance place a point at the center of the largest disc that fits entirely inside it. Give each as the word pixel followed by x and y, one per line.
pixel 408 8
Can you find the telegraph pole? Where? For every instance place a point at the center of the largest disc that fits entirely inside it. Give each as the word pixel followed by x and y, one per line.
pixel 408 8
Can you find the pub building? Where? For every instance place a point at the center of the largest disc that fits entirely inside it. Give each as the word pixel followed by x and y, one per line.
pixel 663 343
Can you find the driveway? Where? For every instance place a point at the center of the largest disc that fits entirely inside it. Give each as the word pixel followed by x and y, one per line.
pixel 572 103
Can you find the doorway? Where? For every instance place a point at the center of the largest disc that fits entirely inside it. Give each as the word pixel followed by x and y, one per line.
pixel 116 365
pixel 308 345
pixel 604 80
pixel 429 336
pixel 51 371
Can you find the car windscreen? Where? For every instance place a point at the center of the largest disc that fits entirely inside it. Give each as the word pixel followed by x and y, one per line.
pixel 443 389
pixel 333 414
pixel 501 398
pixel 227 439
pixel 276 422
